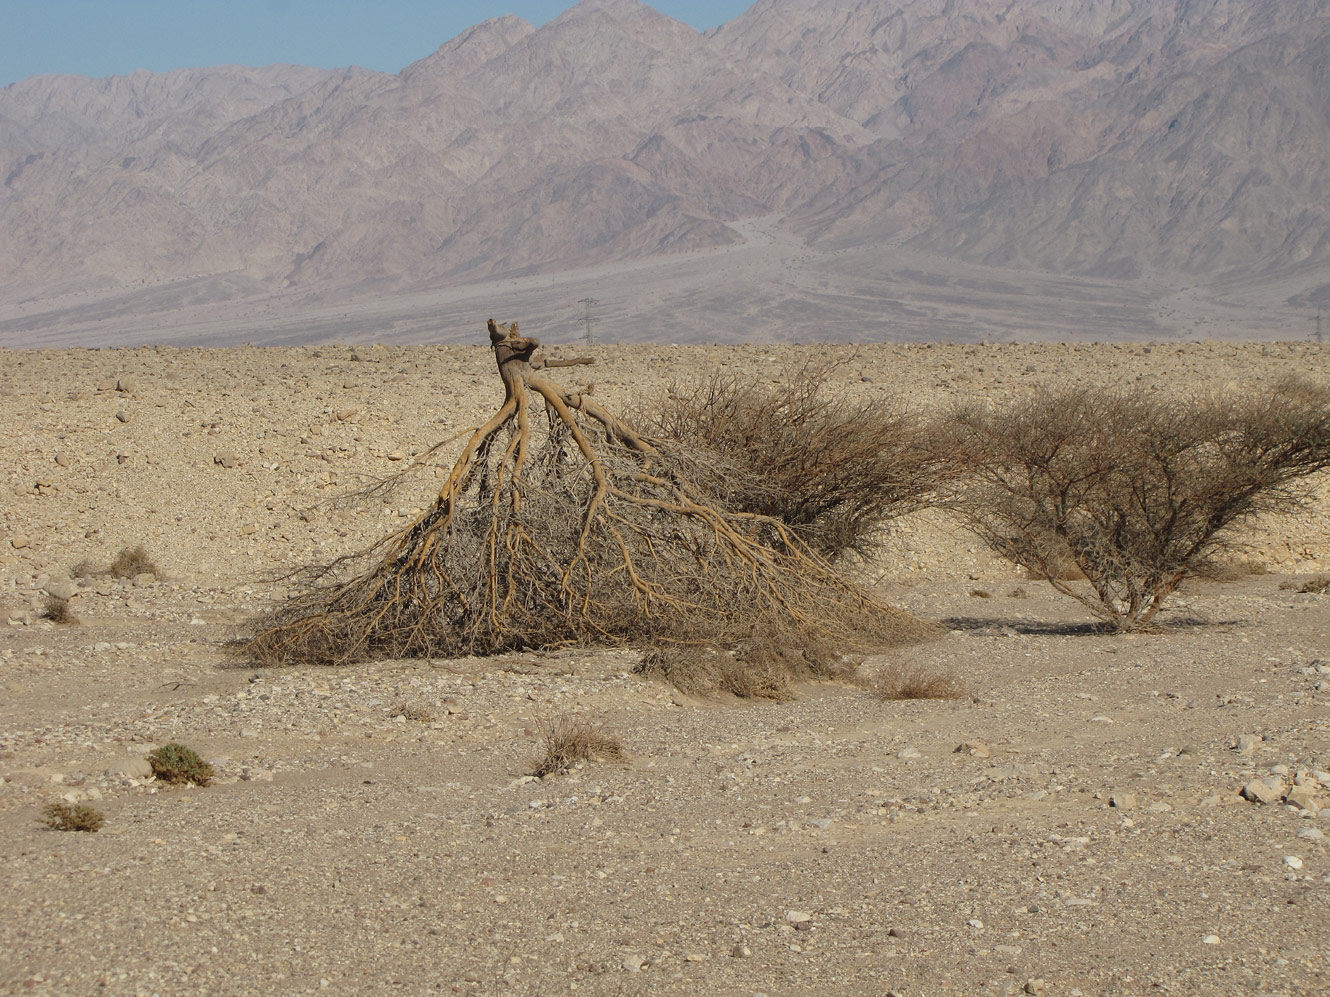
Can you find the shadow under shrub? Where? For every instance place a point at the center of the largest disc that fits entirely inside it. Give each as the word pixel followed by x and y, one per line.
pixel 834 471
pixel 1134 491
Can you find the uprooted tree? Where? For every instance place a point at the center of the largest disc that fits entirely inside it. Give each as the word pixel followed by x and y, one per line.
pixel 1115 497
pixel 561 525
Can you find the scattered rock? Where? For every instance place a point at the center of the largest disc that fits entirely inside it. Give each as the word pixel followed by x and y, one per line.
pixel 797 916
pixel 1293 862
pixel 1247 743
pixel 633 963
pixel 226 458
pixel 909 754
pixel 976 748
pixel 130 768
pixel 1210 940
pixel 1122 801
pixel 740 951
pixel 1260 791
pixel 122 416
pixel 19 541
pixel 1304 798
pixel 1035 985
pixel 1312 834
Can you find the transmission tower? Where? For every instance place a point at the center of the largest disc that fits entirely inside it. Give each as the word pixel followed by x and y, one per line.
pixel 588 319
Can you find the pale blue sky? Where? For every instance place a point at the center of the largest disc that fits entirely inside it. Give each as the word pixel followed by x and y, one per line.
pixel 115 37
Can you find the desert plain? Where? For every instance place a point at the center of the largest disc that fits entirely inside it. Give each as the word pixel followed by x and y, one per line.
pixel 1072 824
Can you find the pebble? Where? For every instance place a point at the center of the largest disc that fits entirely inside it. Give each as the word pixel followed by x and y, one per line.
pixel 1293 862
pixel 1247 743
pixel 740 951
pixel 797 916
pixel 1312 834
pixel 1210 940
pixel 1122 801
pixel 226 458
pixel 633 963
pixel 1303 797
pixel 909 754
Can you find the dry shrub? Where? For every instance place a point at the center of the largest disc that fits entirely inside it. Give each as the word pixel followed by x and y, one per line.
pixel 85 569
pixel 57 610
pixel 419 714
pixel 1137 491
pixel 175 763
pixel 836 472
pixel 133 561
pixel 1317 584
pixel 751 671
pixel 572 741
pixel 911 682
pixel 72 817
pixel 560 525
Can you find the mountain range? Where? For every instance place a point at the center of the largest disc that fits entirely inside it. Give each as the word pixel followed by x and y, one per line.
pixel 1113 144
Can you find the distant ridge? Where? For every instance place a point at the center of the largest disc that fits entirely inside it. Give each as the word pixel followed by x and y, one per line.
pixel 1114 139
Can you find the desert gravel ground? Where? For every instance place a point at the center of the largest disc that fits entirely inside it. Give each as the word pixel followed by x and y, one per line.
pixel 373 829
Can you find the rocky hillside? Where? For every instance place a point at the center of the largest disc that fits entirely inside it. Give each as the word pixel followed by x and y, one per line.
pixel 1111 138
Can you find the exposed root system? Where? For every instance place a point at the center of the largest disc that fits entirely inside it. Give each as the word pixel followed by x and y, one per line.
pixel 560 525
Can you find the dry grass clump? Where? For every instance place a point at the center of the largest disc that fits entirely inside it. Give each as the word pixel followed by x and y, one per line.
pixel 420 714
pixel 175 763
pixel 897 682
pixel 1317 584
pixel 1136 491
pixel 757 670
pixel 72 817
pixel 836 472
pixel 561 525
pixel 573 741
pixel 57 609
pixel 133 561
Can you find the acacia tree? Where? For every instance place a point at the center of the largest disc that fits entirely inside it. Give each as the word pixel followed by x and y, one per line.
pixel 559 524
pixel 1137 492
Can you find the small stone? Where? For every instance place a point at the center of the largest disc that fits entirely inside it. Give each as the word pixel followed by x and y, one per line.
pixel 1280 770
pixel 896 932
pixel 976 748
pixel 124 385
pixel 797 916
pixel 1210 940
pixel 740 951
pixel 633 963
pixel 130 768
pixel 344 413
pixel 1259 791
pixel 122 416
pixel 1304 798
pixel 975 923
pixel 1159 807
pixel 1312 834
pixel 18 541
pixel 909 754
pixel 1293 862
pixel 1035 985
pixel 696 957
pixel 61 460
pixel 1122 801
pixel 396 455
pixel 1247 743
pixel 226 458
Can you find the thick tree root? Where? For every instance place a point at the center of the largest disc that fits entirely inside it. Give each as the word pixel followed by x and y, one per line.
pixel 560 525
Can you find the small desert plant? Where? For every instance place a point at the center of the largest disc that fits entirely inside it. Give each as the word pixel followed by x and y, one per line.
pixel 176 763
pixel 57 610
pixel 133 561
pixel 757 670
pixel 419 714
pixel 1312 585
pixel 1135 491
pixel 570 741
pixel 911 682
pixel 836 472
pixel 72 817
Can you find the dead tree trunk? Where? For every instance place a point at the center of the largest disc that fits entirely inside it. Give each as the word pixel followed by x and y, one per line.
pixel 560 525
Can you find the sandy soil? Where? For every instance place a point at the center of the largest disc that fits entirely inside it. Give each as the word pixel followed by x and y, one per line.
pixel 373 830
